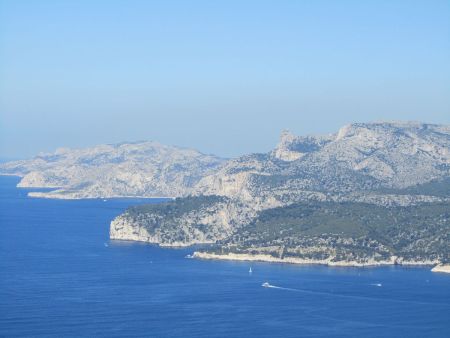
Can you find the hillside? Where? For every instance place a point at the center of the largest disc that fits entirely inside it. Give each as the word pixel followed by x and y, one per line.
pixel 359 157
pixel 143 169
pixel 373 193
pixel 355 232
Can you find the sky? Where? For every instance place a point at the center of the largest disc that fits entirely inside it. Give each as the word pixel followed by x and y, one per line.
pixel 224 77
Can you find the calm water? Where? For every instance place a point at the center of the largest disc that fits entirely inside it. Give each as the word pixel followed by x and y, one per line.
pixel 60 276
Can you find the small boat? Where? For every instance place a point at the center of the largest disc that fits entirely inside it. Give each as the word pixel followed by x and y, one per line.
pixel 266 285
pixel 250 270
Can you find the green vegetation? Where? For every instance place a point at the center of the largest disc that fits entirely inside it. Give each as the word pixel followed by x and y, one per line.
pixel 440 188
pixel 176 207
pixel 180 220
pixel 351 231
pixel 311 230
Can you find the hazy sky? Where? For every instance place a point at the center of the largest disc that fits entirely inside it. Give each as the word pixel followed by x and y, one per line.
pixel 223 77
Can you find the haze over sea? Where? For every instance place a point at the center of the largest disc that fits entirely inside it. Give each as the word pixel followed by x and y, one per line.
pixel 62 277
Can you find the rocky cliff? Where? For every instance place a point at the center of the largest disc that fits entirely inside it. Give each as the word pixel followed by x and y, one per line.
pixel 183 221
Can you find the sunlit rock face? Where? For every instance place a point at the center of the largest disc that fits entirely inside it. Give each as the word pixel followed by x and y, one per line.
pixel 291 147
pixel 145 169
pixel 214 218
pixel 361 157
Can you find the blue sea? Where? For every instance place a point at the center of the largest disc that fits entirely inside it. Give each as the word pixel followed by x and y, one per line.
pixel 61 276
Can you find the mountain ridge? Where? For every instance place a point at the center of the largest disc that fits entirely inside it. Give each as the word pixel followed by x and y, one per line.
pixel 368 175
pixel 137 169
pixel 382 154
pixel 377 169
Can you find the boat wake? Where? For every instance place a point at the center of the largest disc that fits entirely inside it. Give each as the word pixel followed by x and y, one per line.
pixel 267 285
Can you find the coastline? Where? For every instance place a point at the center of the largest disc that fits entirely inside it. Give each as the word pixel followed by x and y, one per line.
pixel 300 261
pixel 37 194
pixel 50 194
pixel 437 266
pixel 445 268
pixel 174 245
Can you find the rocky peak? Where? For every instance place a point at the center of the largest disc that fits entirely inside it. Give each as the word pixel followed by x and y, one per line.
pixel 283 150
pixel 291 147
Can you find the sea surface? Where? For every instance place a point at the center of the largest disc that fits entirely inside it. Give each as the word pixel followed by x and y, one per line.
pixel 61 276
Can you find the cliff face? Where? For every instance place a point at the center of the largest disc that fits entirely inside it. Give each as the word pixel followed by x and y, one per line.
pixel 441 268
pixel 182 222
pixel 291 147
pixel 316 232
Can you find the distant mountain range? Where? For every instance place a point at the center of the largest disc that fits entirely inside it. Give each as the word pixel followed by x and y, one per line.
pixel 359 157
pixel 141 169
pixel 240 204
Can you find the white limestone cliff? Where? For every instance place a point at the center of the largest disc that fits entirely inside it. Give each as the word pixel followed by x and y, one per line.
pixel 445 268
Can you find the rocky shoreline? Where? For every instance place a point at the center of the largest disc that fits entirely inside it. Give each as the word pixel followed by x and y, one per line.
pixel 55 195
pixel 442 268
pixel 327 262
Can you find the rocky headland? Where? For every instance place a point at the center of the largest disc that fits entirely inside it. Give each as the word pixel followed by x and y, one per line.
pixel 369 194
pixel 445 268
